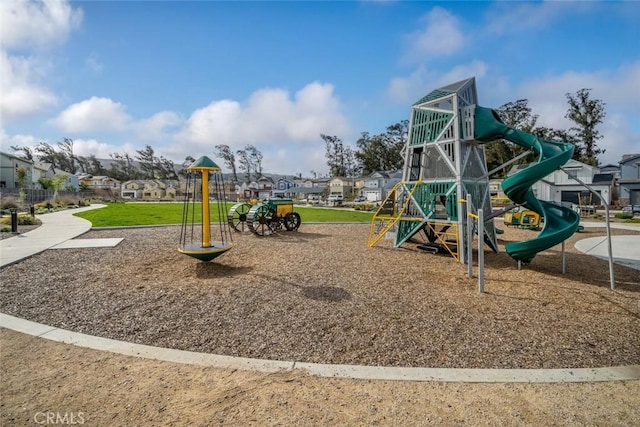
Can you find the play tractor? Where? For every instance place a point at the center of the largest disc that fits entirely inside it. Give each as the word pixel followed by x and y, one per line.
pixel 265 218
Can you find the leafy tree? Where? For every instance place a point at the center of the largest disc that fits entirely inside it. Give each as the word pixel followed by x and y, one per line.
pixel 338 156
pixel 45 183
pixel 83 164
pixel 185 165
pixel 250 162
pixel 95 166
pixel 47 154
pixel 122 168
pixel 517 115
pixel 245 164
pixel 21 176
pixel 167 169
pixel 384 151
pixel 61 158
pixel 255 157
pixel 27 152
pixel 587 114
pixel 229 159
pixel 148 162
pixel 66 156
pixel 56 183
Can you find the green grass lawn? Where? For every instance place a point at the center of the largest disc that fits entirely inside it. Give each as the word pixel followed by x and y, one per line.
pixel 131 214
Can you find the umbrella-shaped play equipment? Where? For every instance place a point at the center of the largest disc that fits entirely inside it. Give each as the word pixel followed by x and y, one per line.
pixel 200 237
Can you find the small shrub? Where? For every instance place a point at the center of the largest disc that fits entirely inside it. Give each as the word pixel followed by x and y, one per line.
pixel 22 220
pixel 27 220
pixel 8 203
pixel 65 201
pixel 624 215
pixel 5 230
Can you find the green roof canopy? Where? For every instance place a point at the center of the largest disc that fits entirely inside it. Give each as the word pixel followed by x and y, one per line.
pixel 204 163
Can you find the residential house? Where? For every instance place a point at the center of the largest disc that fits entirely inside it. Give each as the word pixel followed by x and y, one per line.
pixel 343 186
pixel 630 179
pixel 9 166
pixel 41 170
pixel 378 184
pixel 284 187
pixel 71 183
pixel 260 189
pixel 155 189
pixel 312 189
pixel 132 189
pixel 495 189
pixel 101 182
pixel 560 185
pixel 612 169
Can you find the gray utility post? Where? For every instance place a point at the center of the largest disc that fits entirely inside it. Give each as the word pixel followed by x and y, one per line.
pixel 606 210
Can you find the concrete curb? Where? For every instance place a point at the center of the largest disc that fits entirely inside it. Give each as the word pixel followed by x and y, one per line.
pixel 569 375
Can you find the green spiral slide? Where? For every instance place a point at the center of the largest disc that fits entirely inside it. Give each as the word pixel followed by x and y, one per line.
pixel 559 222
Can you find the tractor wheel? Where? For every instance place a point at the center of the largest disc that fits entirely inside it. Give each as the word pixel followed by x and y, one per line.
pixel 237 216
pixel 260 220
pixel 292 221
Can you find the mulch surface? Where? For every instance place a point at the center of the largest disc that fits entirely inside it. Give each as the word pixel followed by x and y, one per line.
pixel 321 295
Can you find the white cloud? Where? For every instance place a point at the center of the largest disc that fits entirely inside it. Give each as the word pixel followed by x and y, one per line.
pixel 22 92
pixel 93 114
pixel 27 25
pixel 36 23
pixel 509 17
pixel 417 84
pixel 158 126
pixel 20 140
pixel 617 88
pixel 102 150
pixel 442 35
pixel 270 118
pixel 286 128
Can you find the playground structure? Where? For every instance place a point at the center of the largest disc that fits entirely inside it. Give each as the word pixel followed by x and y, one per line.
pixel 521 218
pixel 264 219
pixel 196 239
pixel 445 184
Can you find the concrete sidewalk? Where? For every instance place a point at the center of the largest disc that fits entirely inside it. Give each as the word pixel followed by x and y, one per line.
pixel 625 249
pixel 56 228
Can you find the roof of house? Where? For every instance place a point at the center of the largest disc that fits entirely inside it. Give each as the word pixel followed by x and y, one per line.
pixel 610 166
pixel 629 157
pixel 602 178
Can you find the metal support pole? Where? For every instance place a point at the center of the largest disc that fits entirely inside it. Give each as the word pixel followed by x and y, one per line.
pixel 481 250
pixel 564 260
pixel 504 165
pixel 612 281
pixel 469 238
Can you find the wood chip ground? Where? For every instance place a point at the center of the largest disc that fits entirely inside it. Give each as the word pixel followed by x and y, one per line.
pixel 321 295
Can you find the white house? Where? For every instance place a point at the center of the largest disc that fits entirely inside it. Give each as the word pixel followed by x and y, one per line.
pixel 559 186
pixel 630 179
pixel 378 184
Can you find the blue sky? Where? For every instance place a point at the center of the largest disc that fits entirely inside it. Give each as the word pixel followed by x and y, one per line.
pixel 185 76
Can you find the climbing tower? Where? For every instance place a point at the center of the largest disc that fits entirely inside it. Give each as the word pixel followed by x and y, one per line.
pixel 443 166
